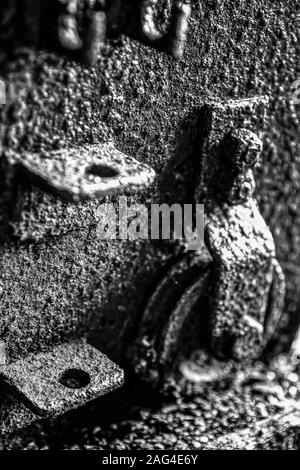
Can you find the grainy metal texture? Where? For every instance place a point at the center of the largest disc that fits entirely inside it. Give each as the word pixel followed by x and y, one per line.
pixel 41 381
pixel 148 105
pixel 86 172
pixel 209 406
pixel 123 111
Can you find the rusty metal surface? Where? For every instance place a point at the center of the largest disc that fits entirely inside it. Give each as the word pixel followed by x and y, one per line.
pixel 86 172
pixel 147 103
pixel 68 376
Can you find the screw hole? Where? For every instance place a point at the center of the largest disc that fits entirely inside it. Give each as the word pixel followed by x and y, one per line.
pixel 102 171
pixel 74 378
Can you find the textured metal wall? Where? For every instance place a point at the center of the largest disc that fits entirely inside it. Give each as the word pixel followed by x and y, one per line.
pixel 148 104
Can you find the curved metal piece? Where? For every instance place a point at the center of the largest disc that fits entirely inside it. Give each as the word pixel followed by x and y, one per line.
pixel 243 249
pixel 94 30
pixel 155 347
pixel 173 328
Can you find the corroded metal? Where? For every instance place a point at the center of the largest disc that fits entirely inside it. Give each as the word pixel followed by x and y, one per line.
pixel 244 299
pixel 246 285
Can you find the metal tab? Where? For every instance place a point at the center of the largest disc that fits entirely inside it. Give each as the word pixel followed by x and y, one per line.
pixel 82 173
pixel 67 377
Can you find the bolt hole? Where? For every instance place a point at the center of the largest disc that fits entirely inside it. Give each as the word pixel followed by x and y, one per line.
pixel 74 378
pixel 102 171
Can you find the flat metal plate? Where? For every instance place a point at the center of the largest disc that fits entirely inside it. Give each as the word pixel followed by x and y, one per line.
pixel 82 173
pixel 40 379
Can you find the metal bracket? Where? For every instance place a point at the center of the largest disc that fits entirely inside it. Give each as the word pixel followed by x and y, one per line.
pixel 51 383
pixel 82 173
